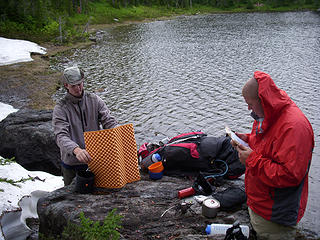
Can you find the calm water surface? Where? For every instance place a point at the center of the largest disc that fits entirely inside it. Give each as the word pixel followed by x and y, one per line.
pixel 170 77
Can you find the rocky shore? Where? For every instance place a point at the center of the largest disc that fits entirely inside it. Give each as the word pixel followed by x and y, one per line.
pixel 150 209
pixel 32 84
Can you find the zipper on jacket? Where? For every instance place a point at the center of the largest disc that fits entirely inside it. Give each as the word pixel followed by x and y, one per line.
pixel 85 118
pixel 81 117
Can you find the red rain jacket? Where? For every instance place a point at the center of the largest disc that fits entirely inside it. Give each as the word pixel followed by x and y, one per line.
pixel 276 177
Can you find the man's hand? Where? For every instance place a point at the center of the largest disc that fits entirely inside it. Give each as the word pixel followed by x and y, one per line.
pixel 82 155
pixel 243 153
pixel 242 136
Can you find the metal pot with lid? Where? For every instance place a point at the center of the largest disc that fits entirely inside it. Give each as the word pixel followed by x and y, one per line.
pixel 210 207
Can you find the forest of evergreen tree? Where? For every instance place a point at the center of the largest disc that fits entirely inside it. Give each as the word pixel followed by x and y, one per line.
pixel 17 10
pixel 47 16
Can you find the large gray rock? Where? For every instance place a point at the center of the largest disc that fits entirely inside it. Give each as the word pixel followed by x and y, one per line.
pixel 141 204
pixel 28 136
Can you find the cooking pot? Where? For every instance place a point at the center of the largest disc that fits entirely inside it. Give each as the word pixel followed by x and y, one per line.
pixel 210 207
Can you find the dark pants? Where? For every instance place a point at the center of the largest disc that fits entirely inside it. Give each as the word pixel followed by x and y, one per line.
pixel 69 172
pixel 68 175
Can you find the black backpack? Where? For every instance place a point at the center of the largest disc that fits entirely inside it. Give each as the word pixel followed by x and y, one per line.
pixel 181 156
pixel 190 153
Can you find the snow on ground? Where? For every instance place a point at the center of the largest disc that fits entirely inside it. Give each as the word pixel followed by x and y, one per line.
pixel 5 110
pixel 14 51
pixel 10 195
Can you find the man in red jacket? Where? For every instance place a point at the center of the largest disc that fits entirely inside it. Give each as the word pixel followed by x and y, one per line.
pixel 277 160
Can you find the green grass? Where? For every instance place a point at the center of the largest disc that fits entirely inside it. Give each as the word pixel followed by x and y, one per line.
pixel 6 161
pixel 103 13
pixel 14 182
pixel 91 230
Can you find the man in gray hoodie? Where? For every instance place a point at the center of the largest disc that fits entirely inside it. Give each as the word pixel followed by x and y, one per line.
pixel 78 112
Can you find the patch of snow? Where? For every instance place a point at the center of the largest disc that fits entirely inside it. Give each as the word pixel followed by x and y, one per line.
pixel 14 51
pixel 5 110
pixel 10 194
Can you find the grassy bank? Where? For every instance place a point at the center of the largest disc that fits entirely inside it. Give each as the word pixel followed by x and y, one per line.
pixel 63 28
pixel 32 84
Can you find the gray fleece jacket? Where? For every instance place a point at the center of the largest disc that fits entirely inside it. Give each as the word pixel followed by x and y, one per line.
pixel 73 116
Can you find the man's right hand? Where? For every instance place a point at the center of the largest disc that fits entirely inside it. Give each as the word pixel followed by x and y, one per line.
pixel 82 155
pixel 243 153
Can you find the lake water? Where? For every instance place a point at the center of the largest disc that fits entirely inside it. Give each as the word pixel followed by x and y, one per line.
pixel 174 76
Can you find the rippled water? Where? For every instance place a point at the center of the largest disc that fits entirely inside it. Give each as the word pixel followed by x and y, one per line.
pixel 170 77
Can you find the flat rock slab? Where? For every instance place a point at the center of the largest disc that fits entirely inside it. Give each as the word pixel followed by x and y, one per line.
pixel 150 209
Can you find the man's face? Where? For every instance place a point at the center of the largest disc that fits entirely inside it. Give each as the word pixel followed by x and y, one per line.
pixel 255 106
pixel 75 90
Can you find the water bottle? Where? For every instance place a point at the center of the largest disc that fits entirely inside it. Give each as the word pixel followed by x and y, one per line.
pixel 221 229
pixel 156 157
pixel 164 141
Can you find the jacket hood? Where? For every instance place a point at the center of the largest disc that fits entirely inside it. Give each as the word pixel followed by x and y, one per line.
pixel 273 99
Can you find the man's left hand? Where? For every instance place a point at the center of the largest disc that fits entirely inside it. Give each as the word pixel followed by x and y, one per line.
pixel 243 153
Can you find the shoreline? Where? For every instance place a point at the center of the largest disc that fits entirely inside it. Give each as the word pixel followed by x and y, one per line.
pixel 32 84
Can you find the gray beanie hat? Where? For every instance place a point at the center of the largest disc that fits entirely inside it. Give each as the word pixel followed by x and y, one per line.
pixel 73 75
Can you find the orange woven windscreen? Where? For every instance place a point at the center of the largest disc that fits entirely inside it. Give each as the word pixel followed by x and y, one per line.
pixel 114 156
